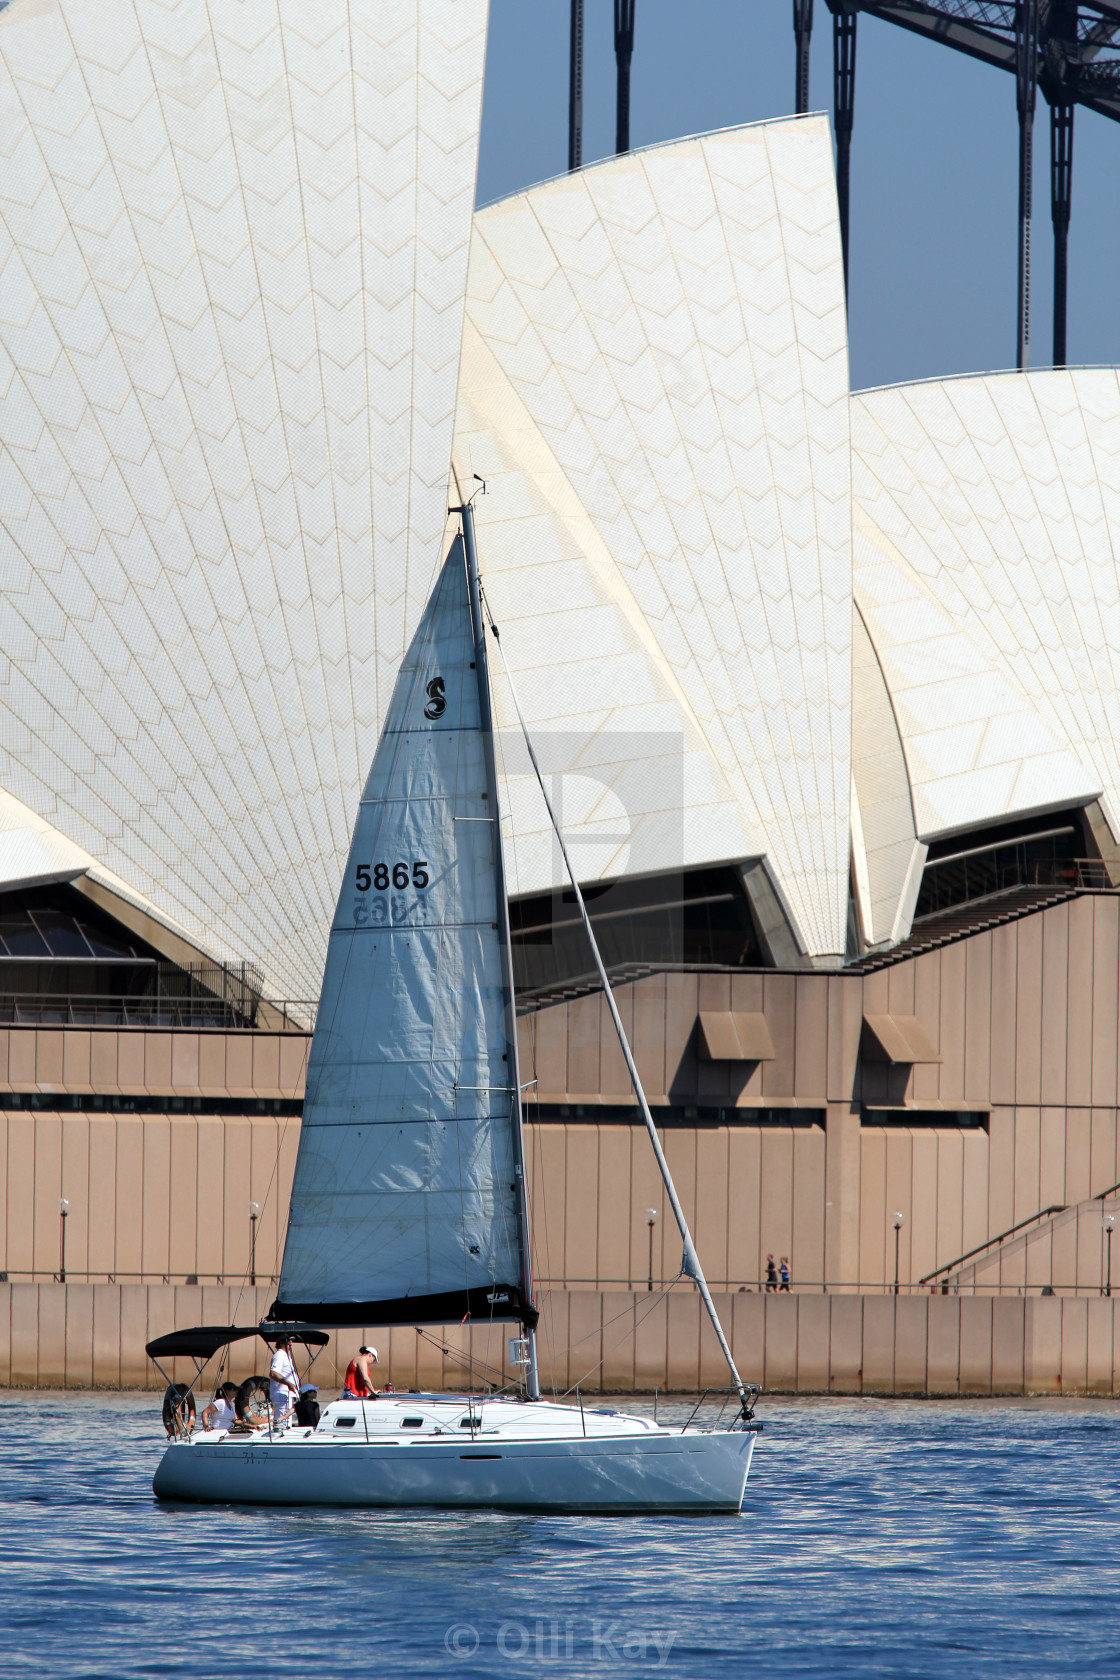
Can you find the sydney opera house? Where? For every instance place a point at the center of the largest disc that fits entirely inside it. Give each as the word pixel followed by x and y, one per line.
pixel 827 683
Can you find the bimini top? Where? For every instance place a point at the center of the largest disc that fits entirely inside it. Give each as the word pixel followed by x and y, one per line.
pixel 204 1340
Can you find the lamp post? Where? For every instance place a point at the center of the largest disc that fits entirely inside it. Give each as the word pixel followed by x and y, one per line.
pixel 651 1221
pixel 1108 1222
pixel 898 1221
pixel 63 1210
pixel 254 1215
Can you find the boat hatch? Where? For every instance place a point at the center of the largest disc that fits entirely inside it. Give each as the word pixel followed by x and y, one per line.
pixel 345 1423
pixel 412 1423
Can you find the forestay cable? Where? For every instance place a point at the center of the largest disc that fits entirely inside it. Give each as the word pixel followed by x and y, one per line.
pixel 690 1264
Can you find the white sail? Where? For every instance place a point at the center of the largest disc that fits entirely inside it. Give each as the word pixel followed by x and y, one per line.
pixel 407 1201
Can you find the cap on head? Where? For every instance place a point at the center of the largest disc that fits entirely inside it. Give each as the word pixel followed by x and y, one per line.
pixel 372 1353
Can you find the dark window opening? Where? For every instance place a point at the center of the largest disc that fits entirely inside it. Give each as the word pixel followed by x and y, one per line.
pixel 946 1118
pixel 66 962
pixel 700 916
pixel 671 1114
pixel 101 1102
pixel 1044 852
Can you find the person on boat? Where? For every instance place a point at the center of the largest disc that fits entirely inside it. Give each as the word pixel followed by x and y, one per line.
pixel 283 1384
pixel 219 1414
pixel 358 1381
pixel 307 1406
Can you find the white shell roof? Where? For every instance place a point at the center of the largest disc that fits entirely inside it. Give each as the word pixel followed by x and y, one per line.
pixel 233 247
pixel 987 524
pixel 234 241
pixel 655 387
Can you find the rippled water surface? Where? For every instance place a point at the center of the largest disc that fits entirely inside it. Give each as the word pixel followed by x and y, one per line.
pixel 937 1539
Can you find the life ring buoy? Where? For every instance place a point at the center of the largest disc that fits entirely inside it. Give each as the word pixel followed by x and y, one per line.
pixel 178 1409
pixel 251 1404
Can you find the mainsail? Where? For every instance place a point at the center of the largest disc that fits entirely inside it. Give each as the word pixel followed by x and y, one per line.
pixel 408 1202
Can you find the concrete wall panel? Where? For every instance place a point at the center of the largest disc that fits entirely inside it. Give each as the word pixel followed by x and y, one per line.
pixel 618 1340
pixel 781 1341
pixel 846 1343
pixel 814 1355
pixel 1008 1350
pixel 1042 1346
pixel 748 1336
pixel 878 1343
pixel 975 1345
pixel 943 1344
pixel 911 1330
pixel 24 1319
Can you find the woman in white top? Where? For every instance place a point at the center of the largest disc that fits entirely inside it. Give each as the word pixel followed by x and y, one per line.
pixel 219 1414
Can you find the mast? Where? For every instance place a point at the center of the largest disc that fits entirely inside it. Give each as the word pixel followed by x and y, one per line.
pixel 690 1263
pixel 478 634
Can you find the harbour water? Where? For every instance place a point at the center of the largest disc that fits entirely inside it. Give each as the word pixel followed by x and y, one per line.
pixel 877 1538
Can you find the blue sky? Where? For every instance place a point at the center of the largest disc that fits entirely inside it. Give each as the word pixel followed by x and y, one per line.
pixel 933 165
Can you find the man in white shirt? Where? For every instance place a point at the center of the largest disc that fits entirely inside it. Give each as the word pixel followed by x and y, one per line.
pixel 283 1384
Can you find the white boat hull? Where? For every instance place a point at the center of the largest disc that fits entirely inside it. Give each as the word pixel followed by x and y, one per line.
pixel 694 1472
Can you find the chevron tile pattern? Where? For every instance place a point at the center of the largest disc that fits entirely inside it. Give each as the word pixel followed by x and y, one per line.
pixel 233 241
pixel 987 513
pixel 655 380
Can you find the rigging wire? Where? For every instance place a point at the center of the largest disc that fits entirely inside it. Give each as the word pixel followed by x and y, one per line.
pixel 691 1260
pixel 651 1304
pixel 502 777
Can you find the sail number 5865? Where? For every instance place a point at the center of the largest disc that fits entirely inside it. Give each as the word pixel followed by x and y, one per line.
pixel 381 875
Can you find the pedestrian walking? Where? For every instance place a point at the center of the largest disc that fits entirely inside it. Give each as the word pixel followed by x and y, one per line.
pixel 784 1270
pixel 771 1275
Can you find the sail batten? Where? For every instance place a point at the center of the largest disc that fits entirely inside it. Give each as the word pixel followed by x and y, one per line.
pixel 406 1203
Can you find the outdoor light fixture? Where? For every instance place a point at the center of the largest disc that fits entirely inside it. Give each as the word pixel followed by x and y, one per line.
pixel 63 1210
pixel 254 1215
pixel 898 1220
pixel 651 1221
pixel 1108 1222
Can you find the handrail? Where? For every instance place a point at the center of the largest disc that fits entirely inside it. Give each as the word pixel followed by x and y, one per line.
pixel 992 1242
pixel 122 1011
pixel 969 878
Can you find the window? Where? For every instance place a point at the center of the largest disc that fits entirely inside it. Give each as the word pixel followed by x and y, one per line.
pixel 1048 852
pixel 696 916
pixel 671 1114
pixel 966 1119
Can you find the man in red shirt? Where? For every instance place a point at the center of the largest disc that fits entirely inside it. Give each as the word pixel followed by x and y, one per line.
pixel 358 1382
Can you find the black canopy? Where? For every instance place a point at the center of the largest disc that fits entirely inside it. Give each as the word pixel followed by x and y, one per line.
pixel 205 1339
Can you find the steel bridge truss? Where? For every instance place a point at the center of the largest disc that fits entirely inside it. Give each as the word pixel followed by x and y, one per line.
pixel 1067 50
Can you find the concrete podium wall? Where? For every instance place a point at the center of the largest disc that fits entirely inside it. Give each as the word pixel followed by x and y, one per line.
pixel 93 1335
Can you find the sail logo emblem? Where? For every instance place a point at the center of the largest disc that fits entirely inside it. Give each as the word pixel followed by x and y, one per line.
pixel 437 705
pixel 496 1297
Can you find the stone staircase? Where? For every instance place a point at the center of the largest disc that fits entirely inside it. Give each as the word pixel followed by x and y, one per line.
pixel 965 919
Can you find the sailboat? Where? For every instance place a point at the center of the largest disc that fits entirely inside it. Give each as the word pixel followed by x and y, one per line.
pixel 409 1201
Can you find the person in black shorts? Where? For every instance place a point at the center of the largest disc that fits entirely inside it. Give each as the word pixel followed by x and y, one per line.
pixel 771 1275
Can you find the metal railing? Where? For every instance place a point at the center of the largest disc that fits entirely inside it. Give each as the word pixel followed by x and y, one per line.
pixel 215 1014
pixel 818 1286
pixel 633 1286
pixel 186 1280
pixel 956 881
pixel 992 1243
